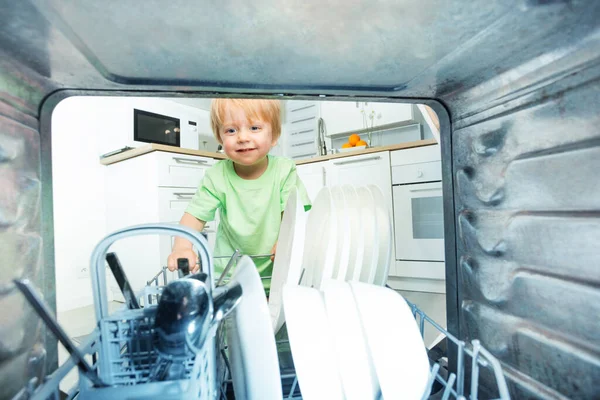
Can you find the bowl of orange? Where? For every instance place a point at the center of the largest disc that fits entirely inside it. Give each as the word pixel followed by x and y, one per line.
pixel 354 143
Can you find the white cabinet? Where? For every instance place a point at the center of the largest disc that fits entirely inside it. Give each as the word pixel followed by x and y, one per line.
pixel 154 187
pixel 300 129
pixel 391 113
pixel 361 170
pixel 341 116
pixel 345 117
pixel 365 169
pixel 313 176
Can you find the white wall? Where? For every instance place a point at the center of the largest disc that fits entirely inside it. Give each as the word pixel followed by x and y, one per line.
pixel 82 129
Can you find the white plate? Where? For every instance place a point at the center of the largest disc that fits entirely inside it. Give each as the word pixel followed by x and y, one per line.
pixel 394 341
pixel 355 366
pixel 320 241
pixel 311 344
pixel 252 350
pixel 370 242
pixel 353 214
pixel 287 267
pixel 384 232
pixel 342 255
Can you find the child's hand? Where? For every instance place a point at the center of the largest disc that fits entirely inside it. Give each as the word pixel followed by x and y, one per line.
pixel 273 251
pixel 188 253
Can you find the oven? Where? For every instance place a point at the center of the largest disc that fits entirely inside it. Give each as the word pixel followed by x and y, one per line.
pixel 418 219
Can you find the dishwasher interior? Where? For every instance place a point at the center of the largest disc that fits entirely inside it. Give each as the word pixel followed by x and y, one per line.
pixel 514 83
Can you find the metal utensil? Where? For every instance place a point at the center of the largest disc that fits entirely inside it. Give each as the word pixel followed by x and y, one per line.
pixel 225 299
pixel 31 294
pixel 201 276
pixel 119 274
pixel 183 315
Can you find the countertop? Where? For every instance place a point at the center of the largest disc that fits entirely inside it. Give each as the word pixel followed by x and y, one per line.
pixel 138 151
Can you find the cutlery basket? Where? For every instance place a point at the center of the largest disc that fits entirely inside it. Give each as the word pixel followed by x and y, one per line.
pixel 127 356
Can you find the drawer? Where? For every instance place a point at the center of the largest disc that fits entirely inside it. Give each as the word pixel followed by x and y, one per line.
pixel 303 149
pixel 415 173
pixel 172 203
pixel 302 112
pixel 179 170
pixel 302 134
pixel 420 269
pixel 415 155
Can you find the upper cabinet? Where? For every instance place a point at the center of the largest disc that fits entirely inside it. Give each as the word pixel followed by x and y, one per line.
pixel 341 116
pixel 344 117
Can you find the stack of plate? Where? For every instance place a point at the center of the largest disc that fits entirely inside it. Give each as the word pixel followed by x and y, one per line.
pixel 346 236
pixel 346 343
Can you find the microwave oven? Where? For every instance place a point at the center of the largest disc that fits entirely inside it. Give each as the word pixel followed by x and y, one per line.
pixel 150 127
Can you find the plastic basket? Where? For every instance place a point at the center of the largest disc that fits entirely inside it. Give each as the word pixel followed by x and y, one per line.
pixel 127 356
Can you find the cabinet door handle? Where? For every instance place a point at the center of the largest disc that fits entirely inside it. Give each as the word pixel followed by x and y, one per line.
pixel 184 195
pixel 425 190
pixel 357 161
pixel 324 176
pixel 188 161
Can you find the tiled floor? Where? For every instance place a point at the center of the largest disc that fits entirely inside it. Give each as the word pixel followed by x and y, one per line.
pixel 78 323
pixel 432 304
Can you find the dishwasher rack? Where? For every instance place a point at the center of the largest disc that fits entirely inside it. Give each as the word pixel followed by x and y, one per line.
pixel 450 387
pixel 447 386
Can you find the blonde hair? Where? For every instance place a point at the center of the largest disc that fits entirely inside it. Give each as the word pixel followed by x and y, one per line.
pixel 266 110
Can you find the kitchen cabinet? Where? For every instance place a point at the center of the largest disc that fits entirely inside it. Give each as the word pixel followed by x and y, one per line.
pixel 314 177
pixel 360 170
pixel 154 187
pixel 341 116
pixel 345 117
pixel 300 129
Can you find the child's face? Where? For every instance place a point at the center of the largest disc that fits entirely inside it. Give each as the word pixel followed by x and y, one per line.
pixel 246 142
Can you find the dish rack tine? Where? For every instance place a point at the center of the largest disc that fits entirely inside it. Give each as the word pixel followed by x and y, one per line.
pixel 460 367
pixel 449 385
pixel 475 369
pixel 232 260
pixel 293 389
pixel 432 375
pixel 301 275
pixel 495 364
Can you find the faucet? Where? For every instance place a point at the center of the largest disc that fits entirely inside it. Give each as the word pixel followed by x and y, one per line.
pixel 321 137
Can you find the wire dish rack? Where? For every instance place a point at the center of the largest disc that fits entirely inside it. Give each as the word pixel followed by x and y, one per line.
pixel 122 350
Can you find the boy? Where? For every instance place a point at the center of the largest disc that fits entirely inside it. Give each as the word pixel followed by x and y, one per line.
pixel 250 189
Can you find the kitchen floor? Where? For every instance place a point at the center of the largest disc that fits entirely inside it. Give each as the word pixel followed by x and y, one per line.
pixel 77 323
pixel 432 304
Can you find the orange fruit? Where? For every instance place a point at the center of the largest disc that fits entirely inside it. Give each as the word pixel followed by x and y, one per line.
pixel 361 143
pixel 346 146
pixel 353 139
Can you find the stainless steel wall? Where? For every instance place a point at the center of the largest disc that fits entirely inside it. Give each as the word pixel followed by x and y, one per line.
pixel 519 80
pixel 22 339
pixel 527 211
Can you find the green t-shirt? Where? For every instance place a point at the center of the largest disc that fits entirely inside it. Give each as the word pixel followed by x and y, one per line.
pixel 249 210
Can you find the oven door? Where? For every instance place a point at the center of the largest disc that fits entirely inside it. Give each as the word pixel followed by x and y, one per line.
pixel 419 222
